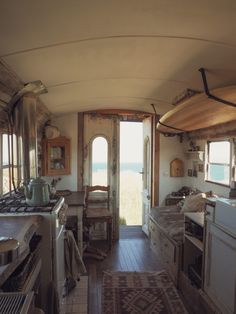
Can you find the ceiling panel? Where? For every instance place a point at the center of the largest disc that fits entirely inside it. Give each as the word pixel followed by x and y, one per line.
pixel 118 54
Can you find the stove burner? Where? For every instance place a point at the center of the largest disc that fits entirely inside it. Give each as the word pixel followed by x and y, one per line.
pixel 17 204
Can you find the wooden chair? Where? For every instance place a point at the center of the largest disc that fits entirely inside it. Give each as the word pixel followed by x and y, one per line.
pixel 97 209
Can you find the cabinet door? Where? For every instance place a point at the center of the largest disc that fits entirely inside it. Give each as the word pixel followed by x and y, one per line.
pixel 220 270
pixel 56 156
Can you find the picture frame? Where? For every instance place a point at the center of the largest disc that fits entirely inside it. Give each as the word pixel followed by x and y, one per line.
pixel 190 172
pixel 194 173
pixel 200 167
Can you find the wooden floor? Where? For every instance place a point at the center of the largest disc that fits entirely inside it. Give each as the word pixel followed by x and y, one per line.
pixel 131 253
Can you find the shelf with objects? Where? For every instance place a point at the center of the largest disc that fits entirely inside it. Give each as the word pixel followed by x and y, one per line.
pixel 191 279
pixel 56 156
pixel 195 155
pixel 193 247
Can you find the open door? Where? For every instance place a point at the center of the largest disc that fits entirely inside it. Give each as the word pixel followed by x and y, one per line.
pixel 147 153
pixel 102 131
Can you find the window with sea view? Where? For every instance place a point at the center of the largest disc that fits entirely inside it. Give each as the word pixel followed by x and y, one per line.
pixel 219 162
pixel 99 161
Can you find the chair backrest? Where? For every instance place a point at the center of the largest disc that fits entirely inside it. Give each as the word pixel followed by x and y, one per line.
pixel 97 196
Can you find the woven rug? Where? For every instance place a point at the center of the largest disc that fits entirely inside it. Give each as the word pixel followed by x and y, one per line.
pixel 140 292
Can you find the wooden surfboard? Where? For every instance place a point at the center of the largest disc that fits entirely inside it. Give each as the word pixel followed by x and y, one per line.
pixel 199 112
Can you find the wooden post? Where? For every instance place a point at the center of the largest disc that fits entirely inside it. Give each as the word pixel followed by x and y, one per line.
pixel 155 162
pixel 80 154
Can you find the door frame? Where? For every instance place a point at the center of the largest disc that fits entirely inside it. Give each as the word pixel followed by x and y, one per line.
pixel 124 115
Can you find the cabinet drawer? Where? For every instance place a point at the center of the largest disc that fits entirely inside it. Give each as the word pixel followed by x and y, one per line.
pixel 168 250
pixel 155 246
pixel 152 227
pixel 171 268
pixel 155 240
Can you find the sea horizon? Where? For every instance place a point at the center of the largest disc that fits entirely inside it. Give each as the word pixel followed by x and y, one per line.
pixel 124 166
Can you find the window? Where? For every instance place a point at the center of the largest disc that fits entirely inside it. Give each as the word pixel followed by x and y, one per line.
pixel 219 158
pixel 99 161
pixel 9 162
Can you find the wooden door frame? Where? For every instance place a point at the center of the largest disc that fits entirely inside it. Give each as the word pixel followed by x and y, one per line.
pixel 125 115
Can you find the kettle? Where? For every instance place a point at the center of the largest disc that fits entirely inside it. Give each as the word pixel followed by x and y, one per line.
pixel 37 192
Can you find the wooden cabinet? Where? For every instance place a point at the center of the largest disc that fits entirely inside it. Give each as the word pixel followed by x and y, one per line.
pixel 177 168
pixel 167 250
pixel 56 156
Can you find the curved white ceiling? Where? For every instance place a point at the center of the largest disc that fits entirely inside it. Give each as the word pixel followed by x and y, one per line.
pixel 118 54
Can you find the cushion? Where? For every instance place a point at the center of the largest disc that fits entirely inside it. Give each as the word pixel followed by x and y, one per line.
pixel 194 203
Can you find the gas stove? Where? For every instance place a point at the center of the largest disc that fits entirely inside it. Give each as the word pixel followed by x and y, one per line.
pixel 17 204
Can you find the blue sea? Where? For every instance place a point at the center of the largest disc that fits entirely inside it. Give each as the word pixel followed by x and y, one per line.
pixel 217 173
pixel 131 166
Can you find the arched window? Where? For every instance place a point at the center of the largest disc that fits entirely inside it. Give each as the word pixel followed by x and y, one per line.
pixel 99 161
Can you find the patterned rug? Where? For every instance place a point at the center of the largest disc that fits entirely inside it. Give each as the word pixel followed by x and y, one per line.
pixel 140 292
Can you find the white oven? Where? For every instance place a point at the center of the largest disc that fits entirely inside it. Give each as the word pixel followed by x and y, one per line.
pixel 52 275
pixel 52 248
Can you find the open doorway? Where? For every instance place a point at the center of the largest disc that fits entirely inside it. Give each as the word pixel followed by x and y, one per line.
pixel 131 169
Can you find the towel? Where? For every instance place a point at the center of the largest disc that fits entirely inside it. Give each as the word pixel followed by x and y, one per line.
pixel 74 265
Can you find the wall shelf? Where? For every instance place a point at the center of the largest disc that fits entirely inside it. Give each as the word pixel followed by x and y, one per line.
pixel 195 155
pixel 56 156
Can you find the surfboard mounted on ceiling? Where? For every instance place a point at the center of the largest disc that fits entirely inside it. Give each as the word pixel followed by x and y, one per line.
pixel 199 112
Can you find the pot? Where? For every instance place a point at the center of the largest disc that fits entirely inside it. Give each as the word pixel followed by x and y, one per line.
pixel 37 192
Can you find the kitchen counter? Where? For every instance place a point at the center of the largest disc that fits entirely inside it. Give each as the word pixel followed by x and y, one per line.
pixel 75 198
pixel 22 229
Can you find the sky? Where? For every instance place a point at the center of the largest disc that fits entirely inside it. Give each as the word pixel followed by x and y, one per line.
pixel 131 138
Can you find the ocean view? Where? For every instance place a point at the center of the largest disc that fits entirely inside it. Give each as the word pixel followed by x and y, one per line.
pixel 126 166
pixel 130 190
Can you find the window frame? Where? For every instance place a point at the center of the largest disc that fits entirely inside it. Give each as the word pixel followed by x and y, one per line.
pixel 11 166
pixel 230 165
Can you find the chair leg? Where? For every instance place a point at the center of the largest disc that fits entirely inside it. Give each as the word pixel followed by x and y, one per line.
pixel 109 234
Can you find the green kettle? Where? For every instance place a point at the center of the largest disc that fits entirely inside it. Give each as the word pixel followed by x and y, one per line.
pixel 37 192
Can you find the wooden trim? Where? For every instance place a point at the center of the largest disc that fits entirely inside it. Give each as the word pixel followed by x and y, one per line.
pixel 80 155
pixel 155 162
pixel 217 183
pixel 124 115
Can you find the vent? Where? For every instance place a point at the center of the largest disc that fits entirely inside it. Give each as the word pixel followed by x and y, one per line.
pixel 16 303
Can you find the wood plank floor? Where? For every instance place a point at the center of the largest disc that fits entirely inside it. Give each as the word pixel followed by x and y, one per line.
pixel 131 253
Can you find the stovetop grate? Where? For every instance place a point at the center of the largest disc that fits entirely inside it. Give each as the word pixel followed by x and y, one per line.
pixel 15 303
pixel 17 204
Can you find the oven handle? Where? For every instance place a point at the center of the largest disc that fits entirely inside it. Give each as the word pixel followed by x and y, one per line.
pixel 61 232
pixel 62 214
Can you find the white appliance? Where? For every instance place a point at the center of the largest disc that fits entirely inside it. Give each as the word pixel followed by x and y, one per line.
pixel 225 214
pixel 52 246
pixel 220 256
